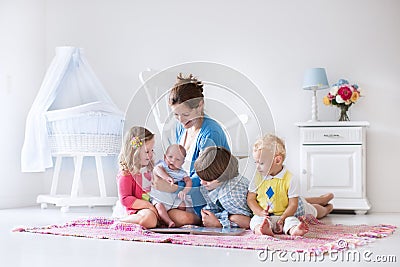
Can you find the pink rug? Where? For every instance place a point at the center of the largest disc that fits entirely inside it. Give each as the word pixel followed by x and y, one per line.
pixel 321 237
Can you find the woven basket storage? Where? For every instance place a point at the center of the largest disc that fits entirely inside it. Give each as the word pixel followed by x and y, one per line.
pixel 81 130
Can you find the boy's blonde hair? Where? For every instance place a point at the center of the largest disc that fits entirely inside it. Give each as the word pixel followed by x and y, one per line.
pixel 273 143
pixel 129 158
pixel 216 163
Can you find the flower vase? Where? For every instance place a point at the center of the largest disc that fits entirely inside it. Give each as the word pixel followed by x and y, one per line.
pixel 343 113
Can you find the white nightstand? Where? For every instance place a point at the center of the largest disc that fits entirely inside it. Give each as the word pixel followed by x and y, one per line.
pixel 332 159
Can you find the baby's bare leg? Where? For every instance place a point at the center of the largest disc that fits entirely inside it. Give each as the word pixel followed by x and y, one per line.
pixel 164 215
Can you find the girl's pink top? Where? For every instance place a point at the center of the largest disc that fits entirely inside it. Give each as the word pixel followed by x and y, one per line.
pixel 130 188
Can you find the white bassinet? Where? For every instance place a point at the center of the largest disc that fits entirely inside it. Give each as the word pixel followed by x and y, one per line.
pixel 72 116
pixel 90 128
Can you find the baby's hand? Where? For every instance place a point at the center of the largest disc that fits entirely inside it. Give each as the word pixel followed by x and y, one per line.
pixel 182 195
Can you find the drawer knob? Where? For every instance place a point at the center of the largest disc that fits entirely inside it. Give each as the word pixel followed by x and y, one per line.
pixel 304 171
pixel 331 135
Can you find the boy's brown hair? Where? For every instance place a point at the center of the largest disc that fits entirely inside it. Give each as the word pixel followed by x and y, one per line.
pixel 216 163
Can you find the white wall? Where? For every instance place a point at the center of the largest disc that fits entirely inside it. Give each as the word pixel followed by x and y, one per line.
pixel 22 64
pixel 272 42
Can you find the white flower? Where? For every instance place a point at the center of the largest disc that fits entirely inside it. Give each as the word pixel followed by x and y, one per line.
pixel 339 99
pixel 334 90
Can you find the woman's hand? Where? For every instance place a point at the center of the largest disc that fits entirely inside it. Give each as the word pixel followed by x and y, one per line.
pixel 162 185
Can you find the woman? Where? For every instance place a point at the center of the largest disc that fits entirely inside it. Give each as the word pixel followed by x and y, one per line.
pixel 195 131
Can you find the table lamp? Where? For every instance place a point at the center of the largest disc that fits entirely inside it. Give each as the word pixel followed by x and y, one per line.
pixel 315 79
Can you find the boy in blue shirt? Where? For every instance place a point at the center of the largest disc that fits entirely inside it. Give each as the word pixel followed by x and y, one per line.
pixel 224 190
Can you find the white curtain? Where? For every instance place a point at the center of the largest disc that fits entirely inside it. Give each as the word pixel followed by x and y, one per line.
pixel 69 82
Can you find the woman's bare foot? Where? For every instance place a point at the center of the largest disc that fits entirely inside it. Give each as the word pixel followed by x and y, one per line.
pixel 264 228
pixel 299 230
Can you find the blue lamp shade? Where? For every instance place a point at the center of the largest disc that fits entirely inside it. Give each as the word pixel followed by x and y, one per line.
pixel 315 79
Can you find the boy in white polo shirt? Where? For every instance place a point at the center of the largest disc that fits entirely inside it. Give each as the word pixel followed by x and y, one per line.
pixel 273 193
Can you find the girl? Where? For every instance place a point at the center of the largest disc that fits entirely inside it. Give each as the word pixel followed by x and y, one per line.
pixel 134 178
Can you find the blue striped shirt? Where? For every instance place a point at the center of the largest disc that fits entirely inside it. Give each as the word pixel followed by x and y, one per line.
pixel 228 198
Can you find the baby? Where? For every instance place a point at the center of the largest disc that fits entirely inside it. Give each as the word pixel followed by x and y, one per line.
pixel 170 169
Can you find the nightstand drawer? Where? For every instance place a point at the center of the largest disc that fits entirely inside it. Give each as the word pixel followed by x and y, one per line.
pixel 331 135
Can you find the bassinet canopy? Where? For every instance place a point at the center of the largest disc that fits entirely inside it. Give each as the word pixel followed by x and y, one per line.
pixel 71 113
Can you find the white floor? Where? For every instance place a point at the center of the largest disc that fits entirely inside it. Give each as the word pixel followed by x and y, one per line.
pixel 26 249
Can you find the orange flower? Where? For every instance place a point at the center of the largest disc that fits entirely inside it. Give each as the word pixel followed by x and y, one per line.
pixel 354 96
pixel 326 100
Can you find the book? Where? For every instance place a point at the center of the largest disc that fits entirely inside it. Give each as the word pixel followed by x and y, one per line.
pixel 199 230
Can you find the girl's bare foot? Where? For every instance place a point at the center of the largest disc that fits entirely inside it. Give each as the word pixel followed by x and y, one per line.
pixel 133 218
pixel 299 230
pixel 264 228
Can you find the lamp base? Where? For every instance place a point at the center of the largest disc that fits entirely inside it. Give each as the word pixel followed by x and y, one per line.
pixel 314 107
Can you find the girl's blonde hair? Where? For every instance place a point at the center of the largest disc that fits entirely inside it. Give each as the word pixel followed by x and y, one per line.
pixel 271 142
pixel 216 163
pixel 129 157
